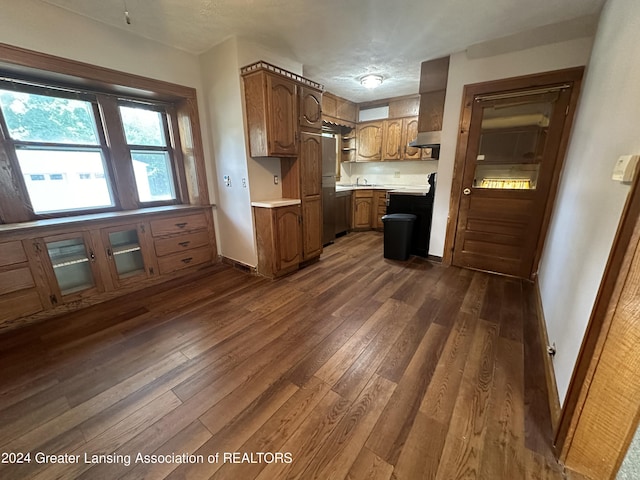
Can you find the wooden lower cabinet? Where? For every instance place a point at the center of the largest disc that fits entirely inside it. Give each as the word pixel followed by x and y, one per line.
pixel 54 268
pixel 19 295
pixel 279 239
pixel 311 227
pixel 380 208
pixel 362 209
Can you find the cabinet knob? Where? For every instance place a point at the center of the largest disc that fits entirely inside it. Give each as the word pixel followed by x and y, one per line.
pixel 467 191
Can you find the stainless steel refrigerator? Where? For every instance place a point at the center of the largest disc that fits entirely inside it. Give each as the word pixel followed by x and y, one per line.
pixel 329 150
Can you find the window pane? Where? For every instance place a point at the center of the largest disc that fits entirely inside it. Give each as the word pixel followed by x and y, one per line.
pixel 154 177
pixel 40 118
pixel 143 127
pixel 512 143
pixel 54 182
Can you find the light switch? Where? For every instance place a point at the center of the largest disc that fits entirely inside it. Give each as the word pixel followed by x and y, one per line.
pixel 625 168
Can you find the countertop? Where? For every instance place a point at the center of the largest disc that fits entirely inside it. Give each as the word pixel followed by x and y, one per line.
pixel 404 189
pixel 278 202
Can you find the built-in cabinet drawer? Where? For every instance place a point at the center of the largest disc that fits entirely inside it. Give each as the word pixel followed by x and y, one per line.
pixel 54 269
pixel 18 293
pixel 177 225
pixel 177 244
pixel 181 242
pixel 189 258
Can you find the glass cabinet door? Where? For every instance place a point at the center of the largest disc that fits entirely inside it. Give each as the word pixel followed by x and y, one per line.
pixel 125 252
pixel 72 264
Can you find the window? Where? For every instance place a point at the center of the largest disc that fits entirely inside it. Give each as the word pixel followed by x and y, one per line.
pixel 146 134
pixel 58 139
pixel 56 133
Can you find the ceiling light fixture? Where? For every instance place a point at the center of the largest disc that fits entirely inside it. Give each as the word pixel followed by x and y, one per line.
pixel 371 81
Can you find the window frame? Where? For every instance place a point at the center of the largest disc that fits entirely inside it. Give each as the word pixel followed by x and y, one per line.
pixel 170 147
pixel 110 144
pixel 60 73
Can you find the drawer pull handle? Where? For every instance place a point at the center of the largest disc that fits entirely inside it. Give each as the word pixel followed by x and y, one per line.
pixel 184 244
pixel 181 225
pixel 187 260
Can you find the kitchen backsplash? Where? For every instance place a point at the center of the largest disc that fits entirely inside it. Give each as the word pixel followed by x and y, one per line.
pixel 387 173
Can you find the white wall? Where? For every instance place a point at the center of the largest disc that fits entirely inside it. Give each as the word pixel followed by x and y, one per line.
pixel 589 203
pixel 45 28
pixel 221 77
pixel 463 71
pixel 388 173
pixel 251 178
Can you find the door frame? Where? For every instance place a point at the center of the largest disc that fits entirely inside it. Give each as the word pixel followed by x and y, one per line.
pixel 570 76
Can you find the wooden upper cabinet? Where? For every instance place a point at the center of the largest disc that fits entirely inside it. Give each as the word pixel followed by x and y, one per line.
pixel 391 140
pixel 409 134
pixel 282 113
pixel 339 110
pixel 272 114
pixel 369 141
pixel 310 108
pixel 311 164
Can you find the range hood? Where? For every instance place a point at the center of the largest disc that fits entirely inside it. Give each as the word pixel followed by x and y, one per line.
pixel 433 84
pixel 427 139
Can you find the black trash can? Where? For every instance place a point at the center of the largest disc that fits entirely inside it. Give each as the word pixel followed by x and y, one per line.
pixel 398 228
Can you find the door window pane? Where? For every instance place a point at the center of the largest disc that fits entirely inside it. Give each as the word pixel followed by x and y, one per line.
pixel 57 181
pixel 39 118
pixel 512 143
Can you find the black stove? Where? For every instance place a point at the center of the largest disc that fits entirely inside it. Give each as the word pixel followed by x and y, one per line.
pixel 422 207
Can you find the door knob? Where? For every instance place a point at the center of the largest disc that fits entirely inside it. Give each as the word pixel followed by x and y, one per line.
pixel 467 191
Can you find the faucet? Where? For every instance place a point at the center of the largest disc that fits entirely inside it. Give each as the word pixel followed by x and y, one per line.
pixel 364 181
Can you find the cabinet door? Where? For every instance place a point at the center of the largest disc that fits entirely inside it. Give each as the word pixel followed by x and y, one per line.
pixel 288 237
pixel 282 112
pixel 311 227
pixel 311 164
pixel 71 266
pixel 369 142
pixel 409 134
pixel 362 212
pixel 125 247
pixel 391 140
pixel 310 108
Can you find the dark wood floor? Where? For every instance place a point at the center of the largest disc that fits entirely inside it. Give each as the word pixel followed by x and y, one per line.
pixel 355 367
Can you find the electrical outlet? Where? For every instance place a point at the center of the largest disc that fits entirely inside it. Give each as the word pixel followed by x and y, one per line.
pixel 396 174
pixel 227 180
pixel 244 183
pixel 275 180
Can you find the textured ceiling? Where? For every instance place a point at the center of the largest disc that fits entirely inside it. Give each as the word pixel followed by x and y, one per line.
pixel 338 41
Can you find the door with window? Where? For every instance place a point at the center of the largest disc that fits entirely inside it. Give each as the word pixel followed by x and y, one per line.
pixel 509 173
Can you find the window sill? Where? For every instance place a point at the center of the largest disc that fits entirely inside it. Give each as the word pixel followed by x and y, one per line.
pixel 81 221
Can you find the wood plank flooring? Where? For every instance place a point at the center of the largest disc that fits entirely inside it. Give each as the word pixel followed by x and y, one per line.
pixel 355 367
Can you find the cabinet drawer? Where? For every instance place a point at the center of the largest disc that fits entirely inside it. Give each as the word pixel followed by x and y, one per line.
pixel 180 243
pixel 16 279
pixel 186 259
pixel 186 223
pixel 363 193
pixel 19 304
pixel 11 252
